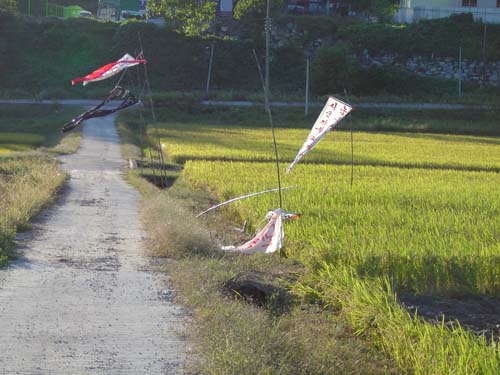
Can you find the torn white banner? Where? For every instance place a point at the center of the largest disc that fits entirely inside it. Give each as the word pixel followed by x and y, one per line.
pixel 333 112
pixel 268 240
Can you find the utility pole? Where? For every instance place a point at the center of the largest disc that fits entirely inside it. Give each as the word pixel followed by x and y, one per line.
pixel 210 67
pixel 268 37
pixel 306 104
pixel 484 55
pixel 460 71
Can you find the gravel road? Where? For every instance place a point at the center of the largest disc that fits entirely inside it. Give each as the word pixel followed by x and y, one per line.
pixel 82 298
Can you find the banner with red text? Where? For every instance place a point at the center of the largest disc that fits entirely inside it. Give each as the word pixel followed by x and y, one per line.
pixel 333 112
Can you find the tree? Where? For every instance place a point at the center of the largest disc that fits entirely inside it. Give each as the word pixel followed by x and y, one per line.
pixel 191 17
pixel 255 8
pixel 384 9
pixel 8 5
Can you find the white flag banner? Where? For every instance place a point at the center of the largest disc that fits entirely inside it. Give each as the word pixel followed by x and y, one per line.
pixel 109 70
pixel 268 240
pixel 333 112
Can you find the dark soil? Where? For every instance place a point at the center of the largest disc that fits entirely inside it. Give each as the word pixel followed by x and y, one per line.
pixel 478 314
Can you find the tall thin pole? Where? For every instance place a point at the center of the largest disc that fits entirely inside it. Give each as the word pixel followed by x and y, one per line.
pixel 484 53
pixel 352 140
pixel 268 37
pixel 162 172
pixel 266 97
pixel 460 71
pixel 270 115
pixel 306 104
pixel 210 67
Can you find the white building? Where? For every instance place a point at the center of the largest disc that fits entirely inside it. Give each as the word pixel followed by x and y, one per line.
pixel 414 10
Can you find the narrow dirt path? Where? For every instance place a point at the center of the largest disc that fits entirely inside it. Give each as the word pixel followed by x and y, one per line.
pixel 83 298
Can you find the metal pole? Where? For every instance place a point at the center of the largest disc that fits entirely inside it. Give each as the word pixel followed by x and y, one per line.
pixel 352 139
pixel 306 104
pixel 460 71
pixel 162 173
pixel 268 37
pixel 484 54
pixel 270 115
pixel 210 67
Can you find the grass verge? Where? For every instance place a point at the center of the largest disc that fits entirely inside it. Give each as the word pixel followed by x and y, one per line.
pixel 30 179
pixel 27 184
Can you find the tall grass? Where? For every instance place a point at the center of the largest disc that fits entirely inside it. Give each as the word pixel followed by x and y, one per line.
pixel 26 185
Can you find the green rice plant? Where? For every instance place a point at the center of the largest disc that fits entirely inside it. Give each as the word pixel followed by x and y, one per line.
pixel 420 216
pixel 419 348
pixel 18 142
pixel 184 142
pixel 427 230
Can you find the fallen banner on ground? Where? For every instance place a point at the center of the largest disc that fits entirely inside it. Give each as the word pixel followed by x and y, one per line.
pixel 268 240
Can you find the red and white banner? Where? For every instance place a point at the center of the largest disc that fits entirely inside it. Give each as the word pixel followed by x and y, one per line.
pixel 268 240
pixel 333 112
pixel 109 70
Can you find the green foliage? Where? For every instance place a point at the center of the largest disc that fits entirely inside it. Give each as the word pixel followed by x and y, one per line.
pixel 439 37
pixel 191 17
pixel 334 69
pixel 8 5
pixel 90 5
pixel 311 27
pixel 176 62
pixel 383 9
pixel 256 8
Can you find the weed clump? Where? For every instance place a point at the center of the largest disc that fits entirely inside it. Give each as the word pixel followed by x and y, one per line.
pixel 173 230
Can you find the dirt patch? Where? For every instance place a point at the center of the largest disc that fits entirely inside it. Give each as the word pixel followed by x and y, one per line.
pixel 478 314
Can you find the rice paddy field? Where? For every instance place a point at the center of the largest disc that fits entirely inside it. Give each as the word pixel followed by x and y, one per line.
pixel 27 127
pixel 421 216
pixel 422 210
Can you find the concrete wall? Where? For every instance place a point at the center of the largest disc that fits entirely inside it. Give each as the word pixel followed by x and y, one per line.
pixel 416 13
pixel 472 71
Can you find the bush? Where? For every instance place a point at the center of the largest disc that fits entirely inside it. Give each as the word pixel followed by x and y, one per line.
pixel 334 70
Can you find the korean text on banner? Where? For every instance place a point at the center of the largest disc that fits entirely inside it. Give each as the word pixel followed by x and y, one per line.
pixel 333 112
